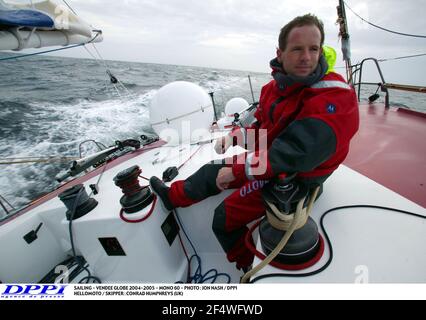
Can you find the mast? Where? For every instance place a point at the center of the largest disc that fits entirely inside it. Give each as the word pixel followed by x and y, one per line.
pixel 344 34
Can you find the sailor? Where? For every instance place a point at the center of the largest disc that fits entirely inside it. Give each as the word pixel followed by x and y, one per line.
pixel 305 120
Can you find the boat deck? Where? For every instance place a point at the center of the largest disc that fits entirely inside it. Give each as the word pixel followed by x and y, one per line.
pixel 370 245
pixel 389 149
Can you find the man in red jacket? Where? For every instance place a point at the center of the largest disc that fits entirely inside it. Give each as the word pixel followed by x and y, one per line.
pixel 305 121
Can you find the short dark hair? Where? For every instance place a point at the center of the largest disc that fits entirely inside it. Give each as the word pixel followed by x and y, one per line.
pixel 305 20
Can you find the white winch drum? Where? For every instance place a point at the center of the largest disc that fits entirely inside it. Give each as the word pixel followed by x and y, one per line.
pixel 181 112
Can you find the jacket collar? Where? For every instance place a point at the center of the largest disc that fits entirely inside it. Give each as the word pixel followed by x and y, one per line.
pixel 284 80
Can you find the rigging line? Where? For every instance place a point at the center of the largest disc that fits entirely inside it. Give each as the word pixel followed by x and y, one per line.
pixel 5 200
pixel 404 57
pixel 384 29
pixel 37 53
pixel 100 64
pixel 107 67
pixel 93 56
pixel 36 158
pixel 125 88
pixel 33 157
pixel 37 161
pixel 96 58
pixel 181 116
pixel 4 208
pixel 100 146
pixel 100 56
pixel 389 59
pixel 70 7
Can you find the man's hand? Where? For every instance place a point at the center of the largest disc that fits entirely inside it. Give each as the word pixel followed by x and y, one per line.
pixel 223 143
pixel 224 178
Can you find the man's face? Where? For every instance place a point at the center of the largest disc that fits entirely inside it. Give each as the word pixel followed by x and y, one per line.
pixel 303 50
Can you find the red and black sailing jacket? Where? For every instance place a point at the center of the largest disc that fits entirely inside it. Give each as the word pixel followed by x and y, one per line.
pixel 308 130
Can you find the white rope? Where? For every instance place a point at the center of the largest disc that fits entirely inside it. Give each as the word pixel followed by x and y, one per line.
pixel 182 116
pixel 131 95
pixel 290 224
pixel 9 161
pixel 70 7
pixel 106 67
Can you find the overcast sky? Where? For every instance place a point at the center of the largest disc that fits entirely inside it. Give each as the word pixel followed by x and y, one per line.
pixel 242 34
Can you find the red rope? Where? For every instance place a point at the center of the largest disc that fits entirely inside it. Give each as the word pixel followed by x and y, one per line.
pixel 131 186
pixel 145 178
pixel 198 149
pixel 144 218
pixel 290 267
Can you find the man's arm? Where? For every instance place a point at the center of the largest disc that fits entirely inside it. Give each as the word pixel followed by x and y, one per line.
pixel 301 147
pixel 238 136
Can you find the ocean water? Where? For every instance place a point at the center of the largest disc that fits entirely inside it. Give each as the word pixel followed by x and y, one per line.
pixel 49 105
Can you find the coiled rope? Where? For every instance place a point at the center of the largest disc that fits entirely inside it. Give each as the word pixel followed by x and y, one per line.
pixel 288 223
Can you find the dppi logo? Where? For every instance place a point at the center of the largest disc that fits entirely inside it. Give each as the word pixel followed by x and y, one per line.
pixel 34 291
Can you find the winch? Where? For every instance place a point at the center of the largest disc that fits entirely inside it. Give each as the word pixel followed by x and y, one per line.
pixel 287 234
pixel 77 201
pixel 135 196
pixel 283 198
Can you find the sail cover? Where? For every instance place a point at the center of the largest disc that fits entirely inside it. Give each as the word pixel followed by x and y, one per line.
pixel 25 18
pixel 44 23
